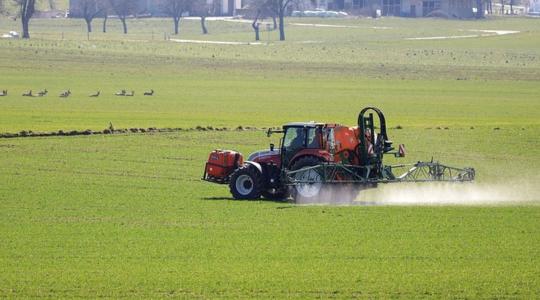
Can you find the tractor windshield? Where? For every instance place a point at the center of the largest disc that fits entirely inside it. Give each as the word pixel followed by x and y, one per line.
pixel 295 138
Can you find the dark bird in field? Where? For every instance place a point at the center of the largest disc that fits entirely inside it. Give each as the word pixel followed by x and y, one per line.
pixel 28 94
pixel 131 94
pixel 96 94
pixel 65 94
pixel 151 93
pixel 43 93
pixel 121 93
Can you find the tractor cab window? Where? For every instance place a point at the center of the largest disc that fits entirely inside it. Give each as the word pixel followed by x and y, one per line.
pixel 294 138
pixel 314 138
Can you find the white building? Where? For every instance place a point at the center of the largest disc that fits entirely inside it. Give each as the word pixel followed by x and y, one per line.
pixel 405 8
pixel 534 7
pixel 227 7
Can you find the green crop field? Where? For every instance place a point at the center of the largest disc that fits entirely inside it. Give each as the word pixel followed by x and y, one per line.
pixel 126 215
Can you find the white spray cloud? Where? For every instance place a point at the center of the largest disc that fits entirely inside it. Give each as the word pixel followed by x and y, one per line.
pixel 453 194
pixel 432 194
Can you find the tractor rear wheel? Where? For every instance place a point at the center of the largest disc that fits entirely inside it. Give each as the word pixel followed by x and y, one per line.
pixel 311 190
pixel 246 183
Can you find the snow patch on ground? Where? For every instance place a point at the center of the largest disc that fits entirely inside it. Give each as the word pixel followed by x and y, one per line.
pixel 482 33
pixel 216 42
pixel 337 26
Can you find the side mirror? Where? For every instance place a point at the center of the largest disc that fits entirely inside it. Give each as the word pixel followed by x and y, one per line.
pixel 272 146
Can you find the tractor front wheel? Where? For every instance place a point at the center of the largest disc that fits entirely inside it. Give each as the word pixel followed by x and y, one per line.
pixel 246 183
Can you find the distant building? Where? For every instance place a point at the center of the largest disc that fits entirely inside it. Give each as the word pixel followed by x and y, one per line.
pixel 405 8
pixel 152 7
pixel 227 7
pixel 534 7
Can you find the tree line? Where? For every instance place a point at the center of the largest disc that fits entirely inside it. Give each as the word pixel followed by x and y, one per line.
pixel 175 9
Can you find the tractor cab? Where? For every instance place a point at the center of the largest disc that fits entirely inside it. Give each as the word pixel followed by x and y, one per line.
pixel 300 137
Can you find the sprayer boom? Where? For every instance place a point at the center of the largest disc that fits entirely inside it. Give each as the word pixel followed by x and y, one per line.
pixel 331 173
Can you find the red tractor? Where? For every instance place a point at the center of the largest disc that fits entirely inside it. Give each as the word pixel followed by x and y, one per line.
pixel 314 154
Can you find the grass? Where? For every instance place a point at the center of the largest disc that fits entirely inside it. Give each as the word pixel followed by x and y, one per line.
pixel 127 216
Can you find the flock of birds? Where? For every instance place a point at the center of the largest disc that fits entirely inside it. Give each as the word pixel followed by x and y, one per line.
pixel 67 93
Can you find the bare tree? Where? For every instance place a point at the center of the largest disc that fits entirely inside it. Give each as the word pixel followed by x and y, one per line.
pixel 255 12
pixel 106 8
pixel 280 8
pixel 176 9
pixel 479 9
pixel 203 9
pixel 511 7
pixel 277 8
pixel 259 10
pixel 90 9
pixel 123 9
pixel 256 26
pixel 26 11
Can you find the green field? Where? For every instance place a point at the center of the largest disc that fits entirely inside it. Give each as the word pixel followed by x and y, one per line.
pixel 126 215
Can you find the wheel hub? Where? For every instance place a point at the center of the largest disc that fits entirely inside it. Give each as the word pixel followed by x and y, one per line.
pixel 244 184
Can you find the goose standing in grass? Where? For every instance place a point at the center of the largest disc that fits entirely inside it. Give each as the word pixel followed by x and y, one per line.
pixel 28 94
pixel 151 93
pixel 43 93
pixel 65 94
pixel 4 93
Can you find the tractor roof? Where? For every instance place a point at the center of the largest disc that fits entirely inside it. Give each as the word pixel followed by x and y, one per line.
pixel 303 124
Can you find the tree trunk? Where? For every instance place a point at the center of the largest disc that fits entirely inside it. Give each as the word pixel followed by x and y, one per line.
pixel 176 25
pixel 479 9
pixel 25 25
pixel 124 25
pixel 105 22
pixel 281 26
pixel 511 7
pixel 203 25
pixel 256 25
pixel 27 10
pixel 257 36
pixel 88 25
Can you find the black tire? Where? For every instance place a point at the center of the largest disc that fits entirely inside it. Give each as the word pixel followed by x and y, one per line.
pixel 246 183
pixel 276 194
pixel 308 161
